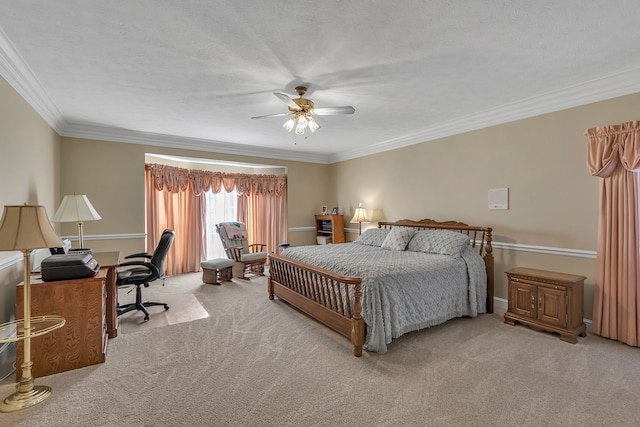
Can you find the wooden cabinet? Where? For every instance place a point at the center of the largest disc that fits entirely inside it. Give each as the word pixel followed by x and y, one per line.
pixel 109 261
pixel 547 301
pixel 82 341
pixel 330 227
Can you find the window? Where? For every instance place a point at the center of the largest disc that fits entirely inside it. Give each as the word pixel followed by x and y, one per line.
pixel 219 207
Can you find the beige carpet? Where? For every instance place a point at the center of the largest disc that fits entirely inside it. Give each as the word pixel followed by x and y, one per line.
pixel 183 304
pixel 255 362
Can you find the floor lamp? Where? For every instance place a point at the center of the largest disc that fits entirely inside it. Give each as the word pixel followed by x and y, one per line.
pixel 25 228
pixel 76 208
pixel 360 216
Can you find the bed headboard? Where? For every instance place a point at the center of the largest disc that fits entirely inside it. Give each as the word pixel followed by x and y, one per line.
pixel 480 238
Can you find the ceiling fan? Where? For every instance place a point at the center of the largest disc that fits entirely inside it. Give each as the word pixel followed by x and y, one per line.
pixel 302 111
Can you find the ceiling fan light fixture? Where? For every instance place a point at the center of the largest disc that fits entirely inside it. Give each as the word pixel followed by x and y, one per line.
pixel 313 125
pixel 301 111
pixel 302 123
pixel 289 124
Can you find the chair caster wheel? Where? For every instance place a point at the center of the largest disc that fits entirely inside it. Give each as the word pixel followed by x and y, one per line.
pixel 166 307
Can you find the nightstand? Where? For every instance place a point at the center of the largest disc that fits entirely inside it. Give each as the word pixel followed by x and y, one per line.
pixel 547 301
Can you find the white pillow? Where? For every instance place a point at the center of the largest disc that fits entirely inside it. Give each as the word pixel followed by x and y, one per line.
pixel 445 242
pixel 372 236
pixel 398 238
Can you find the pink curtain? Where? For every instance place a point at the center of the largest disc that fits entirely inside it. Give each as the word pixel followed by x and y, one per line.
pixel 174 201
pixel 613 154
pixel 265 217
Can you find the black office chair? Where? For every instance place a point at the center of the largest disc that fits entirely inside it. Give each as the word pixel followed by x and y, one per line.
pixel 143 273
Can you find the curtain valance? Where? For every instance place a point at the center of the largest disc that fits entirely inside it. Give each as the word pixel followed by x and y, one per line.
pixel 174 179
pixel 612 145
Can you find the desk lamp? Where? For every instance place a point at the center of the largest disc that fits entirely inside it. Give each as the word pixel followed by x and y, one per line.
pixel 76 208
pixel 360 216
pixel 25 228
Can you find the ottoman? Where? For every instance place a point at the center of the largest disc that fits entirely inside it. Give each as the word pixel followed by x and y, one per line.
pixel 216 270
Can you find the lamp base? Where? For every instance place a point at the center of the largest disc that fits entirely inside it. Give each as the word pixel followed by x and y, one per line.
pixel 23 399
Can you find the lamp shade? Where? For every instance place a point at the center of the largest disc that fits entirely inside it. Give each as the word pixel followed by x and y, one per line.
pixel 76 208
pixel 360 215
pixel 26 227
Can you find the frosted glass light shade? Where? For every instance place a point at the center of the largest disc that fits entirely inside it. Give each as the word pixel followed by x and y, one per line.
pixel 313 125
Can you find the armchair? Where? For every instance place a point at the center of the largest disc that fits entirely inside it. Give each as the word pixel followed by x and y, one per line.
pixel 144 272
pixel 247 258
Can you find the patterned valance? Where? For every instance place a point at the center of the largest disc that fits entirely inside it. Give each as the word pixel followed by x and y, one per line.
pixel 174 179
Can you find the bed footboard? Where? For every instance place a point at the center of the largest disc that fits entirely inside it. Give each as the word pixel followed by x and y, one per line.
pixel 330 298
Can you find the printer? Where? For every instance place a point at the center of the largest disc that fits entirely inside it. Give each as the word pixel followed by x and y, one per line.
pixel 68 266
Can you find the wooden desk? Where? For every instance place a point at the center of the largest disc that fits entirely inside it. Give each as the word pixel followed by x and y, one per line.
pixel 82 341
pixel 109 260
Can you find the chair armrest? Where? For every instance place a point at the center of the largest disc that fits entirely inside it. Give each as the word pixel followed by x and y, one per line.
pixel 235 252
pixel 153 270
pixel 139 255
pixel 257 247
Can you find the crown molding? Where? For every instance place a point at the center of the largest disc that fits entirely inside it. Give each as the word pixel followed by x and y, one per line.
pixel 18 74
pixel 608 87
pixel 103 133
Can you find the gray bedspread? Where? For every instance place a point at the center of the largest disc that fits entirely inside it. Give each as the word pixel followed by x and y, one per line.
pixel 404 291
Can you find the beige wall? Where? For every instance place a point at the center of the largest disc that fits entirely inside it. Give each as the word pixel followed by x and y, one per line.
pixel 553 200
pixel 111 174
pixel 29 166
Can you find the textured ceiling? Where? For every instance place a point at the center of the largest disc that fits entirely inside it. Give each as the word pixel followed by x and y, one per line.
pixel 191 73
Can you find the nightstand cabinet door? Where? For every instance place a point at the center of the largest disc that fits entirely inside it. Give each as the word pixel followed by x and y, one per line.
pixel 547 301
pixel 523 299
pixel 552 306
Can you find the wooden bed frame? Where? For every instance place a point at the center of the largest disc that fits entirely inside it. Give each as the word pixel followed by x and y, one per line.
pixel 316 291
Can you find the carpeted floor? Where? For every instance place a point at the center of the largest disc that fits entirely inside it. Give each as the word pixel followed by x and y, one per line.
pixel 255 362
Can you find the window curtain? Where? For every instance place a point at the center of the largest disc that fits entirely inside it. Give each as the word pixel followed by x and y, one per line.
pixel 172 203
pixel 613 155
pixel 175 199
pixel 264 213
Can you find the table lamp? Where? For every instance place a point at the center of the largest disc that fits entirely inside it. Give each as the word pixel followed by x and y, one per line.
pixel 360 216
pixel 25 228
pixel 76 208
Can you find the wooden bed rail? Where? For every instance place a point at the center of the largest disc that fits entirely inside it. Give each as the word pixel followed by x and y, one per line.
pixel 329 297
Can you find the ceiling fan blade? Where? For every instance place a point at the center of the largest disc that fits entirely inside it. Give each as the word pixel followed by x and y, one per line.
pixel 271 115
pixel 287 100
pixel 330 111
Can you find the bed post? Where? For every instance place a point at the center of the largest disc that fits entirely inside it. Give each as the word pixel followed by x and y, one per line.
pixel 270 288
pixel 357 328
pixel 488 261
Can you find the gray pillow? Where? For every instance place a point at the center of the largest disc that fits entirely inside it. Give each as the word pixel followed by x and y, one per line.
pixel 444 242
pixel 398 238
pixel 372 236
